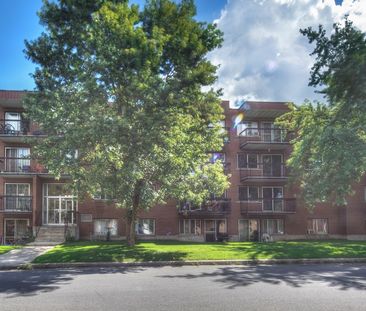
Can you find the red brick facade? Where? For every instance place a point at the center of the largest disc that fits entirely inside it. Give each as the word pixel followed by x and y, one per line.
pixel 269 209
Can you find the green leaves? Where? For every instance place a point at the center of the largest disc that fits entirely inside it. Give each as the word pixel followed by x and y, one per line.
pixel 123 87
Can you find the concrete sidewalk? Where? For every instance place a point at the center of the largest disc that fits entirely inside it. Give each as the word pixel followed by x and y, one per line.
pixel 21 256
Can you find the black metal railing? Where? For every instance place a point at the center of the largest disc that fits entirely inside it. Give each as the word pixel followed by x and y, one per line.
pixel 20 165
pixel 265 135
pixel 264 171
pixel 14 203
pixel 14 127
pixel 269 205
pixel 213 206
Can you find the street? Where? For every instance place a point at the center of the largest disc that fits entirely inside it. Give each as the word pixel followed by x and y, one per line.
pixel 277 287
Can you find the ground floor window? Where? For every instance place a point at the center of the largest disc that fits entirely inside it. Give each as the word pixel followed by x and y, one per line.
pixel 190 226
pixel 145 226
pixel 15 230
pixel 317 226
pixel 272 226
pixel 102 226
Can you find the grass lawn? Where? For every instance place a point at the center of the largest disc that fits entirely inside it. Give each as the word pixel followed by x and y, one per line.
pixel 173 250
pixel 6 248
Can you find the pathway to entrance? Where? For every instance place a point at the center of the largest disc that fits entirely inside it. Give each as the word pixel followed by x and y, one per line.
pixel 21 256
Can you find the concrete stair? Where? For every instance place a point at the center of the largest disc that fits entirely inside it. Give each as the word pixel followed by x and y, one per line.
pixel 50 235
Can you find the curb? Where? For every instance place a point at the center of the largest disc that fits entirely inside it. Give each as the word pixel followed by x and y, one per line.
pixel 239 262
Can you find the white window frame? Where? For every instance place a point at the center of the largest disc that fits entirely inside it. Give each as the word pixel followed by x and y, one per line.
pixel 182 230
pixel 277 220
pixel 15 229
pixel 59 197
pixel 145 219
pixel 248 124
pixel 113 231
pixel 17 192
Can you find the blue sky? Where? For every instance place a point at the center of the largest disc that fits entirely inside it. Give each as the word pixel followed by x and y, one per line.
pixel 263 56
pixel 19 21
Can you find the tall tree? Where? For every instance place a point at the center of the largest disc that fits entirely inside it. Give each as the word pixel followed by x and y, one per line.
pixel 122 88
pixel 330 145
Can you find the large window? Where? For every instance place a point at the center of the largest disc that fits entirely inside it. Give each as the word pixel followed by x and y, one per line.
pixel 102 226
pixel 247 160
pixel 190 226
pixel 17 159
pixel 272 226
pixel 145 227
pixel 247 128
pixel 248 194
pixel 317 226
pixel 17 197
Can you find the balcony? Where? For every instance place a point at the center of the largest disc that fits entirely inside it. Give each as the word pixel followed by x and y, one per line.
pixel 16 130
pixel 273 206
pixel 264 138
pixel 15 204
pixel 20 166
pixel 265 172
pixel 218 207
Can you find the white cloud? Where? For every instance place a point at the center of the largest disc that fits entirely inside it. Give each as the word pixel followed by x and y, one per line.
pixel 264 57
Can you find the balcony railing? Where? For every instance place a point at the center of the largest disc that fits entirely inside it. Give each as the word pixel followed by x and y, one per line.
pixel 264 171
pixel 13 203
pixel 269 206
pixel 20 165
pixel 216 206
pixel 14 127
pixel 257 137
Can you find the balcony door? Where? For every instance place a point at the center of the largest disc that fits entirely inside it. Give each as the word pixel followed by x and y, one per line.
pixel 271 133
pixel 272 165
pixel 17 197
pixel 17 159
pixel 272 199
pixel 12 122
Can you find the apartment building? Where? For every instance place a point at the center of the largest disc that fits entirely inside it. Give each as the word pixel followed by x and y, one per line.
pixel 259 203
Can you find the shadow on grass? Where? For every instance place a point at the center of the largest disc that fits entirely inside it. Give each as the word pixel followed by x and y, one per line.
pixel 107 252
pixel 342 277
pixel 34 282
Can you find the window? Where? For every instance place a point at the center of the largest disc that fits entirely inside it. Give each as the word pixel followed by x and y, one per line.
pixel 17 159
pixel 17 197
pixel 190 226
pixel 247 128
pixel 145 226
pixel 101 226
pixel 248 193
pixel 247 160
pixel 272 226
pixel 318 226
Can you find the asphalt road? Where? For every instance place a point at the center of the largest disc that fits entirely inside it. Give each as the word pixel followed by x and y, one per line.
pixel 281 287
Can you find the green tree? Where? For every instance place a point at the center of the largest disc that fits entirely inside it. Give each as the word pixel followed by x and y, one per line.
pixel 330 146
pixel 122 89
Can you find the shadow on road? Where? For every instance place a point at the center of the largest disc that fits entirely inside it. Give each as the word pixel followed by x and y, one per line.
pixel 34 282
pixel 340 276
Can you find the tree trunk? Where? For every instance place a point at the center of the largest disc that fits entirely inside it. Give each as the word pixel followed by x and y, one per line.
pixel 131 214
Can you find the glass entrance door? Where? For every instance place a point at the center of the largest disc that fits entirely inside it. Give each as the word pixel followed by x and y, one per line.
pixel 59 205
pixel 60 210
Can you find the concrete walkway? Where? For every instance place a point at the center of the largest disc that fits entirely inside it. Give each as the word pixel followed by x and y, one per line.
pixel 21 256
